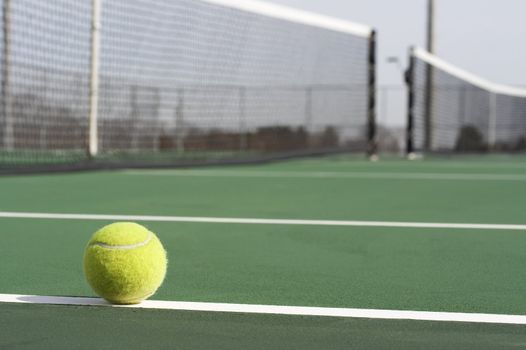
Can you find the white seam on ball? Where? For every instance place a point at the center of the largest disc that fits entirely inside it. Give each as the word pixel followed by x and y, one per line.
pixel 124 246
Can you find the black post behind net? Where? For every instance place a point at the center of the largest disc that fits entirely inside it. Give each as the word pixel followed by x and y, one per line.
pixel 464 113
pixel 181 81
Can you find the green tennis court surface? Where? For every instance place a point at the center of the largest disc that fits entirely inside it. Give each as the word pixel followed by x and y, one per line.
pixel 294 258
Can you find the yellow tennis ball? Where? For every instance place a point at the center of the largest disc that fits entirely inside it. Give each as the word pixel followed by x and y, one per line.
pixel 125 263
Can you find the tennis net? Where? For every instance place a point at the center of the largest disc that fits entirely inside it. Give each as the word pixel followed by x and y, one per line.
pixel 451 110
pixel 167 82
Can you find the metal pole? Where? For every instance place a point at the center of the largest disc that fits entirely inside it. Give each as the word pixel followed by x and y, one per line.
pixel 492 122
pixel 431 26
pixel 8 135
pixel 429 77
pixel 179 122
pixel 308 114
pixel 409 79
pixel 371 113
pixel 243 142
pixel 93 143
pixel 134 116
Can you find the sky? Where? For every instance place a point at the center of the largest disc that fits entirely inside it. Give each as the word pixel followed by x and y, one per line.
pixel 485 37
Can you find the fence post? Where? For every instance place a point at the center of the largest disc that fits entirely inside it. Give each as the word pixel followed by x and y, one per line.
pixel 243 142
pixel 179 122
pixel 8 132
pixel 135 122
pixel 93 140
pixel 308 114
pixel 492 122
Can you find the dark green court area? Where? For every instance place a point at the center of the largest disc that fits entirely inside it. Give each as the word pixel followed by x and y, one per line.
pixel 395 268
pixel 64 327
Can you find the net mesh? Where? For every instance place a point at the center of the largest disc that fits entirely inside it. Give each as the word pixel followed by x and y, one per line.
pixel 45 59
pixel 179 80
pixel 467 113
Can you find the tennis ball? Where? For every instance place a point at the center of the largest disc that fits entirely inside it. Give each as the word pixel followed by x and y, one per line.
pixel 124 263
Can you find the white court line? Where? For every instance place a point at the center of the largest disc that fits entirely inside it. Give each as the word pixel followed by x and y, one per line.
pixel 275 310
pixel 331 175
pixel 216 220
pixel 472 164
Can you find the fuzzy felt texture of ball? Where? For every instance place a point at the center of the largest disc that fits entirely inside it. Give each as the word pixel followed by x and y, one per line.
pixel 125 263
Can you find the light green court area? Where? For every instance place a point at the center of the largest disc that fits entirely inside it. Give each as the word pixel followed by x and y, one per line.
pixel 409 269
pixel 457 270
pixel 429 200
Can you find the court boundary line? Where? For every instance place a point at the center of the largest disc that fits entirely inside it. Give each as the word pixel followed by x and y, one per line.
pixel 274 309
pixel 330 175
pixel 255 221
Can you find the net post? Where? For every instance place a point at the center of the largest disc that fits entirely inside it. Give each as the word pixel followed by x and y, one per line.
pixel 93 139
pixel 8 132
pixel 371 94
pixel 410 82
pixel 492 121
